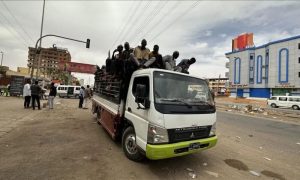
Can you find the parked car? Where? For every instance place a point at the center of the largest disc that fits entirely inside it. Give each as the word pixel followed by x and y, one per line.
pixel 285 101
pixel 68 91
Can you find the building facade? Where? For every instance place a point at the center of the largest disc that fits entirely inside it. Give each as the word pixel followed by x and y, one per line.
pixel 218 85
pixel 270 69
pixel 50 58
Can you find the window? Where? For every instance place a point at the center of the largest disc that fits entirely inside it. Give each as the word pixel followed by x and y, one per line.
pixel 141 80
pixel 294 99
pixel 298 59
pixel 77 88
pixel 282 98
pixel 251 68
pixel 298 74
pixel 251 57
pixel 298 45
pixel 273 98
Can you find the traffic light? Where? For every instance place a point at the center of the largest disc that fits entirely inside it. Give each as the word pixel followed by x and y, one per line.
pixel 87 43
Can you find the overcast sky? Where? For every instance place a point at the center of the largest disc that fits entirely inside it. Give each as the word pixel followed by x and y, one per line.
pixel 201 29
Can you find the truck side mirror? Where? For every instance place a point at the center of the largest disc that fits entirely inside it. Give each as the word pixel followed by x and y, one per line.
pixel 140 96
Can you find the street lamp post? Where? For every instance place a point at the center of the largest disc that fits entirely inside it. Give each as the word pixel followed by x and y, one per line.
pixel 87 42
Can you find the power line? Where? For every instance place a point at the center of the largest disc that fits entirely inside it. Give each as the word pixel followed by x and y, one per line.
pixel 17 37
pixel 126 24
pixel 139 20
pixel 119 31
pixel 134 20
pixel 149 19
pixel 176 19
pixel 170 10
pixel 17 22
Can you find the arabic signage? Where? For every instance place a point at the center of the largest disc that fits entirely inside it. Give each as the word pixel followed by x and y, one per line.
pixel 285 85
pixel 77 67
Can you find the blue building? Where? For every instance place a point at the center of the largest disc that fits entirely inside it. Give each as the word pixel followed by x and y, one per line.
pixel 270 69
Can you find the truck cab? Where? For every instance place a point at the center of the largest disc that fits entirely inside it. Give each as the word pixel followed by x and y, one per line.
pixel 163 115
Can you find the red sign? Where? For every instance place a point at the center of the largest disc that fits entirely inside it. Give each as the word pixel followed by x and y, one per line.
pixel 77 67
pixel 243 41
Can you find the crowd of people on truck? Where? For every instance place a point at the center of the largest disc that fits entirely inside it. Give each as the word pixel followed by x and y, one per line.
pixel 126 61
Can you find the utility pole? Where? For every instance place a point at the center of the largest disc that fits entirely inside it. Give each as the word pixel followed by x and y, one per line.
pixel 218 84
pixel 1 57
pixel 40 46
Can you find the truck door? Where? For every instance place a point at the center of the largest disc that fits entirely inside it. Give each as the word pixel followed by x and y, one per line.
pixel 139 117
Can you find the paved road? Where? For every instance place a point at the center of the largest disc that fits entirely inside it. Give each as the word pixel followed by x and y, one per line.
pixel 66 143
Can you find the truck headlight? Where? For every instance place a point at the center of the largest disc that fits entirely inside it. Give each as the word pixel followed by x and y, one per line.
pixel 157 135
pixel 213 130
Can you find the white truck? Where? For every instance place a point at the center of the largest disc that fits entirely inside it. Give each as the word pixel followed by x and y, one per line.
pixel 159 114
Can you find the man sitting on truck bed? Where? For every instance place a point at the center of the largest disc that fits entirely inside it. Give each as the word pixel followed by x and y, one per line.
pixel 158 63
pixel 141 54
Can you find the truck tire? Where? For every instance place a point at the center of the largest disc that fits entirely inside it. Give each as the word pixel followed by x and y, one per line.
pixel 295 107
pixel 129 145
pixel 273 105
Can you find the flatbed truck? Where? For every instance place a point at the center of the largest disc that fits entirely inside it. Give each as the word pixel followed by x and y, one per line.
pixel 161 114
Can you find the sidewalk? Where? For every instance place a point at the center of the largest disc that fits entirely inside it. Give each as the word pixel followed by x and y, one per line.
pixel 258 108
pixel 241 101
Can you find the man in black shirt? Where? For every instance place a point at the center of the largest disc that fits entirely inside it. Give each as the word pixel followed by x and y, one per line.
pixel 35 95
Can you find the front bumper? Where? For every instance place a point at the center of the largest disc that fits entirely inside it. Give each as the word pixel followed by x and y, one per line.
pixel 163 151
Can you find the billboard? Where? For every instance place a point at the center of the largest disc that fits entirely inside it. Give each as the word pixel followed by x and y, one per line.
pixel 77 67
pixel 242 41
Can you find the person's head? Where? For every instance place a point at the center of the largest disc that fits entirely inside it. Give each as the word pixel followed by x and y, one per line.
pixel 82 87
pixel 126 46
pixel 155 48
pixel 36 82
pixel 52 84
pixel 28 81
pixel 88 86
pixel 192 60
pixel 175 54
pixel 144 43
pixel 120 48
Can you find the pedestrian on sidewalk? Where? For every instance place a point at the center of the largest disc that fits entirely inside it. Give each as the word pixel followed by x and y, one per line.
pixel 35 95
pixel 27 94
pixel 52 95
pixel 87 96
pixel 81 96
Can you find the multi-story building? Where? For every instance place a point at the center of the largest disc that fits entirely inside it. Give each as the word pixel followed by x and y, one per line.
pixel 270 69
pixel 218 85
pixel 49 60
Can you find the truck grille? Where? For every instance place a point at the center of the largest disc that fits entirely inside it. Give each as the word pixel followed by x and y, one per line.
pixel 189 133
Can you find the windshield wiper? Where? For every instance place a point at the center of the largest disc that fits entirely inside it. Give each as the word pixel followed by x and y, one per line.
pixel 177 100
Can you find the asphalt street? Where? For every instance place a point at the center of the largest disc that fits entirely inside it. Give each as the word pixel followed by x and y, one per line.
pixel 67 143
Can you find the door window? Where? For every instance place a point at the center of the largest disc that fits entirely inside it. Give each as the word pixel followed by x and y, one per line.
pixel 141 80
pixel 273 98
pixel 282 98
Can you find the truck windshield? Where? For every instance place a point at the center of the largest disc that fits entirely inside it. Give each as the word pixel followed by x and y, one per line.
pixel 174 93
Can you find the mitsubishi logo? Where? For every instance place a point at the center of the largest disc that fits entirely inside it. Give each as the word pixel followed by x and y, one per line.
pixel 192 135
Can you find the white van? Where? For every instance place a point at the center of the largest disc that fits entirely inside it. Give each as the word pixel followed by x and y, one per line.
pixel 285 101
pixel 68 91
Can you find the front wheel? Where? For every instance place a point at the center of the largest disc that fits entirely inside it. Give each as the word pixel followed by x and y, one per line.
pixel 273 105
pixel 129 145
pixel 295 107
